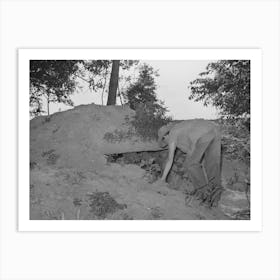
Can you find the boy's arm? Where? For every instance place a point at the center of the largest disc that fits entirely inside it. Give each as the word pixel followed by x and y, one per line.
pixel 171 149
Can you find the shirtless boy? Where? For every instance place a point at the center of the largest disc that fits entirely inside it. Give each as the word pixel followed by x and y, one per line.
pixel 201 141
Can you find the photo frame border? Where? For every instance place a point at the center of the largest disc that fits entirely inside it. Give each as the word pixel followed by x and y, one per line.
pixel 254 224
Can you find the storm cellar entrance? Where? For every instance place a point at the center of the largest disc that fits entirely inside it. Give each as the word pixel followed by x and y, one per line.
pixel 153 163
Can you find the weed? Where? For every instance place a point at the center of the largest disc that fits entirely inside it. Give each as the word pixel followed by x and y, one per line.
pixel 156 213
pixel 235 140
pixel 47 119
pixel 147 124
pixel 52 159
pixel 53 215
pixel 47 153
pixel 125 216
pixel 51 156
pixel 118 135
pixel 77 202
pixel 233 180
pixel 33 164
pixel 102 203
pixel 55 130
pixel 242 214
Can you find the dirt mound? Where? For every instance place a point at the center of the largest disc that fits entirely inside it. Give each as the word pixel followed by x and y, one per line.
pixel 80 137
pixel 116 192
pixel 71 178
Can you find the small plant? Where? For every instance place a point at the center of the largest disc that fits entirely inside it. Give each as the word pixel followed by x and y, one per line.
pixel 55 130
pixel 153 169
pixel 53 215
pixel 242 215
pixel 233 180
pixel 156 213
pixel 33 164
pixel 47 153
pixel 209 194
pixel 52 159
pixel 102 203
pixel 51 156
pixel 47 119
pixel 118 135
pixel 147 123
pixel 77 202
pixel 125 216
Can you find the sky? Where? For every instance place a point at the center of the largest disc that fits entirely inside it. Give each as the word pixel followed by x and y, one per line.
pixel 173 81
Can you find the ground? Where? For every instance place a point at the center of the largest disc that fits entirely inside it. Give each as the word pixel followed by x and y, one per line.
pixel 71 179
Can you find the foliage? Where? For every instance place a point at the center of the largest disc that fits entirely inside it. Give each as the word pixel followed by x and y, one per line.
pixel 150 111
pixel 52 79
pixel 94 73
pixel 153 169
pixel 146 123
pixel 209 194
pixel 235 140
pixel 118 135
pixel 97 74
pixel 50 156
pixel 56 80
pixel 149 161
pixel 143 90
pixel 102 203
pixel 226 85
pixel 156 213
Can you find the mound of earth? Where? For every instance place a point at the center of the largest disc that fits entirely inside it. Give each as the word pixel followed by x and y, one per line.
pixel 116 192
pixel 79 138
pixel 70 177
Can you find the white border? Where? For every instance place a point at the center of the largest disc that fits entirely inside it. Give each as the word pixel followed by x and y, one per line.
pixel 255 224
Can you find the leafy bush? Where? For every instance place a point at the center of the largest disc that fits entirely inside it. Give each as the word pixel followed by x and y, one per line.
pixel 147 123
pixel 236 139
pixel 150 111
pixel 226 85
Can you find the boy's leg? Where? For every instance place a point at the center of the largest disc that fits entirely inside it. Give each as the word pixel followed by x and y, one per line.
pixel 194 165
pixel 212 163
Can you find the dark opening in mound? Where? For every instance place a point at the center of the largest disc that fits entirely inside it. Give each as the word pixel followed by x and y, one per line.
pixel 153 163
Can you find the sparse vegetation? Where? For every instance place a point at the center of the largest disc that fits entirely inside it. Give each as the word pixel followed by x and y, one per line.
pixel 67 192
pixel 118 135
pixel 156 213
pixel 51 157
pixel 151 162
pixel 147 124
pixel 33 164
pixel 235 140
pixel 102 204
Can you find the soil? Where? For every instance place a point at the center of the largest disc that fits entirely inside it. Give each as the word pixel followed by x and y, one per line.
pixel 88 163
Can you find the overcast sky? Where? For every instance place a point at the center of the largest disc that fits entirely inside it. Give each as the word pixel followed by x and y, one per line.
pixel 173 81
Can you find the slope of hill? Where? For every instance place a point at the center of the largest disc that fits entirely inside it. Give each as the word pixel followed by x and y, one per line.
pixel 71 178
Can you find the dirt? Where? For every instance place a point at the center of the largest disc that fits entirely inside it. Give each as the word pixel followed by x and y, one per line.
pixel 70 178
pixel 79 138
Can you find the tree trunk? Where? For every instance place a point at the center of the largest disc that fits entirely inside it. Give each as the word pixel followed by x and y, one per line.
pixel 48 105
pixel 114 80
